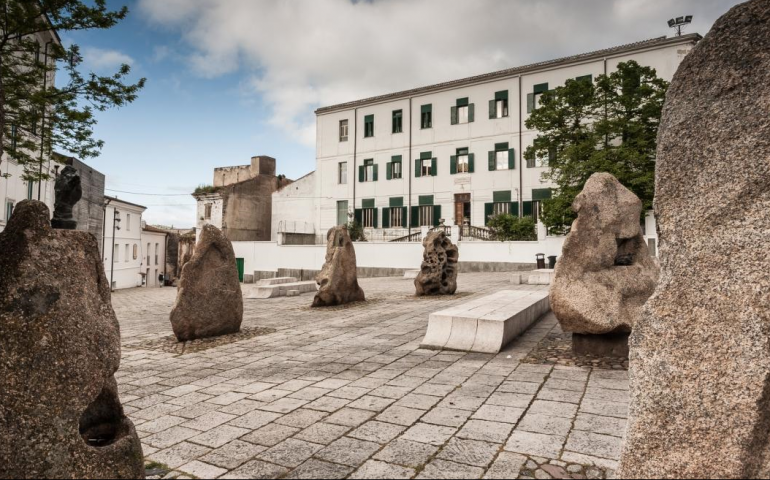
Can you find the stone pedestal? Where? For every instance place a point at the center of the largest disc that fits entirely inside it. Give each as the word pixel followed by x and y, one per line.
pixel 607 345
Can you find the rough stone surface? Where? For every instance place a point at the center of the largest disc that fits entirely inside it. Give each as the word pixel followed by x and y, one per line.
pixel 700 363
pixel 605 272
pixel 209 300
pixel 337 281
pixel 68 193
pixel 60 415
pixel 438 272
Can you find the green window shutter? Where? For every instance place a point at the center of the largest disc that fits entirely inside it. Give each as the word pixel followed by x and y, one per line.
pixel 530 102
pixel 492 163
pixel 452 164
pixel 404 216
pixel 470 112
pixel 417 168
pixel 514 208
pixel 374 176
pixel 360 173
pixel 386 217
pixel 425 200
pixel 415 217
pixel 389 171
pixel 492 109
pixel 375 224
pixel 585 78
pixel 436 215
pixel 511 160
pixel 426 108
pixel 527 209
pixel 396 201
pixel 367 202
pixel 540 88
pixel 489 209
pixel 426 155
pixel 502 196
pixel 462 102
pixel 453 114
pixel 470 163
pixel 501 95
pixel 359 216
pixel 541 193
pixel 433 167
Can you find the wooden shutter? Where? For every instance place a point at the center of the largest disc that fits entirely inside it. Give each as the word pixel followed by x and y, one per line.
pixel 386 217
pixel 470 112
pixel 470 163
pixel 453 116
pixel 527 209
pixel 514 208
pixel 374 175
pixel 359 216
pixel 417 169
pixel 360 173
pixel 436 215
pixel 492 109
pixel 389 170
pixel 511 160
pixel 433 167
pixel 452 164
pixel 404 217
pixel 415 218
pixel 492 162
pixel 530 102
pixel 489 209
pixel 374 214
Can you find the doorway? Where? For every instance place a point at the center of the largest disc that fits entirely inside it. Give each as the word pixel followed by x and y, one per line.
pixel 462 208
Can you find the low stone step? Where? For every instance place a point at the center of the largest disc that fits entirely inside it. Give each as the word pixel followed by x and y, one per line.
pixel 411 273
pixel 266 282
pixel 292 293
pixel 282 290
pixel 543 276
pixel 486 324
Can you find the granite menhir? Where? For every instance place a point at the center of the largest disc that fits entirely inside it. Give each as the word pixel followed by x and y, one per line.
pixel 60 415
pixel 338 279
pixel 438 272
pixel 700 354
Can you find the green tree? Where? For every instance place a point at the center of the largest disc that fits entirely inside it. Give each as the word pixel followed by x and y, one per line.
pixel 609 125
pixel 506 227
pixel 37 116
pixel 356 231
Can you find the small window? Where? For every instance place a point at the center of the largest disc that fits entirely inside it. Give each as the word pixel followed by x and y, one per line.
pixel 342 212
pixel 397 121
pixel 498 108
pixel 426 165
pixel 426 116
pixel 207 212
pixel 462 114
pixel 501 160
pixel 136 251
pixel 369 126
pixel 156 253
pixel 128 222
pixel 502 208
pixel 368 217
pixel 342 173
pixel 369 170
pixel 397 217
pixel 463 165
pixel 148 254
pixel 394 167
pixel 116 254
pixel 8 209
pixel 126 256
pixel 426 216
pixel 343 130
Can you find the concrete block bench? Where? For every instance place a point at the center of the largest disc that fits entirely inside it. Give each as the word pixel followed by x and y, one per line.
pixel 486 324
pixel 409 274
pixel 266 282
pixel 543 276
pixel 282 290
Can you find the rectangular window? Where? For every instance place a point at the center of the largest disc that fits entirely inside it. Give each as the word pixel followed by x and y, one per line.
pixel 394 170
pixel 342 212
pixel 501 160
pixel 8 209
pixel 156 253
pixel 148 254
pixel 397 217
pixel 369 170
pixel 116 254
pixel 463 166
pixel 128 222
pixel 342 173
pixel 207 212
pixel 368 217
pixel 397 121
pixel 426 216
pixel 426 116
pixel 343 130
pixel 136 252
pixel 126 257
pixel 426 166
pixel 368 126
pixel 462 112
pixel 498 108
pixel 502 208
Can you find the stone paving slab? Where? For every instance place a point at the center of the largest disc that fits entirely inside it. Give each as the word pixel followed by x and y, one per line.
pixel 348 393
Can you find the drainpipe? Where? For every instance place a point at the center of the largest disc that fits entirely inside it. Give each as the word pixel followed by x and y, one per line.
pixel 165 260
pixel 521 157
pixel 115 213
pixel 104 222
pixel 355 167
pixel 409 169
pixel 42 126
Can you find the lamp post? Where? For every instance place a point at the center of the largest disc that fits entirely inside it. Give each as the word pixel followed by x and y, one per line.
pixel 115 221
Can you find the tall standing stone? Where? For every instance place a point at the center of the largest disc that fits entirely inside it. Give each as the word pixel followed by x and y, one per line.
pixel 60 415
pixel 438 272
pixel 209 302
pixel 700 356
pixel 338 279
pixel 68 192
pixel 605 273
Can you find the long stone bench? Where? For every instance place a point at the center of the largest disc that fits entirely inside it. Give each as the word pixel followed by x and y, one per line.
pixel 282 290
pixel 266 282
pixel 486 324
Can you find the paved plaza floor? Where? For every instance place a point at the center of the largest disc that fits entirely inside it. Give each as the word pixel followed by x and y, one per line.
pixel 346 392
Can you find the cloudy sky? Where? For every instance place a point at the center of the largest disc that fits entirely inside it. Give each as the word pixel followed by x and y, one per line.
pixel 229 79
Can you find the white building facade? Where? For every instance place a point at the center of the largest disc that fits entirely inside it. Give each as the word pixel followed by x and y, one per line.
pixel 453 151
pixel 153 256
pixel 123 254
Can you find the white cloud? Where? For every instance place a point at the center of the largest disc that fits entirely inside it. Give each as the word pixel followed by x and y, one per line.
pixel 103 59
pixel 302 54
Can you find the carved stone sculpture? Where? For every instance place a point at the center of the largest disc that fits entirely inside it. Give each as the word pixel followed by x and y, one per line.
pixel 438 272
pixel 67 193
pixel 338 279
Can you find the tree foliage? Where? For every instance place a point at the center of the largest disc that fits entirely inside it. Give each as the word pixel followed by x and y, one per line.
pixel 506 227
pixel 36 115
pixel 356 231
pixel 609 125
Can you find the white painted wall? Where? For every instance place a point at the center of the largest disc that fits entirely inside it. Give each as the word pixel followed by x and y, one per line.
pixel 216 202
pixel 294 207
pixel 153 257
pixel 13 189
pixel 123 269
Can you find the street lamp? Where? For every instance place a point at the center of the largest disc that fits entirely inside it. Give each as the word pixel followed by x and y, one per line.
pixel 115 226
